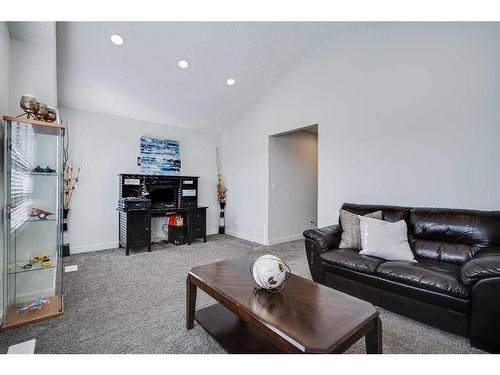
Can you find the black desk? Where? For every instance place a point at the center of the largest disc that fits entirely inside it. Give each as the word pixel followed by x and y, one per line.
pixel 135 226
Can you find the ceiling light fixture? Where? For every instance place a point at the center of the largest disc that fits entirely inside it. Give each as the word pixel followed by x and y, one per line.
pixel 183 64
pixel 230 81
pixel 117 39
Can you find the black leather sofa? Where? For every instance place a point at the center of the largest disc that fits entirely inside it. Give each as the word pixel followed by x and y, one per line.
pixel 455 285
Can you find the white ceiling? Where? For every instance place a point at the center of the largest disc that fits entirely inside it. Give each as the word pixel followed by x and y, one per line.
pixel 141 79
pixel 38 33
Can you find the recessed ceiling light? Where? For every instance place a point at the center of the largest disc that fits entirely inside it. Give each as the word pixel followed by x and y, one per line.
pixel 183 64
pixel 117 39
pixel 230 81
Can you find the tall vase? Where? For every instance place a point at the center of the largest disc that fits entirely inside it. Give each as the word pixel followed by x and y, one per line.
pixel 222 222
pixel 65 233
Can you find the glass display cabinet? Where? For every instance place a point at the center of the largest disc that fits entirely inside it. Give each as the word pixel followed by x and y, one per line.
pixel 32 222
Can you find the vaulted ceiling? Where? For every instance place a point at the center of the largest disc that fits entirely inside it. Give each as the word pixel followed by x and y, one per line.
pixel 141 79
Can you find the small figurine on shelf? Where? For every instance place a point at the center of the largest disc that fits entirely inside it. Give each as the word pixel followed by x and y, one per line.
pixel 37 304
pixel 37 212
pixel 39 169
pixel 39 257
pixel 46 262
pixel 14 265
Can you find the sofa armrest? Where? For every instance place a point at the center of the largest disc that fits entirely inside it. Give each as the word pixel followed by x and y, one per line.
pixel 326 238
pixel 317 241
pixel 484 326
pixel 484 265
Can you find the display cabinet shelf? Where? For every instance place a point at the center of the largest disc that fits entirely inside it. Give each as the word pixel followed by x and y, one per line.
pixel 43 174
pixel 35 267
pixel 52 309
pixel 35 293
pixel 40 220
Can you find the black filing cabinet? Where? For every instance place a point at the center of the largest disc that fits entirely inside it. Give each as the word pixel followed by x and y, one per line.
pixel 197 224
pixel 135 229
pixel 177 235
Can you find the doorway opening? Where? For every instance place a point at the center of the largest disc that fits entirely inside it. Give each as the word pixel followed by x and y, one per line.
pixel 293 184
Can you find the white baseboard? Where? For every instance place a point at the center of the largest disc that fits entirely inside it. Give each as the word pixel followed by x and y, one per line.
pixel 112 245
pixel 212 231
pixel 93 247
pixel 246 237
pixel 275 241
pixel 262 241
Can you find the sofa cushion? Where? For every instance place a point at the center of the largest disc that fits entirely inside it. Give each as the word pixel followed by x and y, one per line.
pixel 451 235
pixel 443 251
pixel 426 274
pixel 352 260
pixel 483 266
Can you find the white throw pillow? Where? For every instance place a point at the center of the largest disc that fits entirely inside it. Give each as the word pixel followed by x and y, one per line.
pixel 385 240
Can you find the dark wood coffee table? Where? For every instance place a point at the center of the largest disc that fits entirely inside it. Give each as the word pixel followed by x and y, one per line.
pixel 305 317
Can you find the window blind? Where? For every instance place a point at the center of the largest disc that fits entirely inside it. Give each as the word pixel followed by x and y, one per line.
pixel 22 164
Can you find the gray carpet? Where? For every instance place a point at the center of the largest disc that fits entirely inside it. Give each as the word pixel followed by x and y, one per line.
pixel 135 304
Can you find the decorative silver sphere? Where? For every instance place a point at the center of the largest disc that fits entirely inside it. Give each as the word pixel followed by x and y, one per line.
pixel 29 104
pixel 270 272
pixel 42 111
pixel 51 114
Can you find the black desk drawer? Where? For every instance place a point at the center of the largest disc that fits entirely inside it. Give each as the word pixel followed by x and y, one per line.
pixel 197 226
pixel 198 231
pixel 197 217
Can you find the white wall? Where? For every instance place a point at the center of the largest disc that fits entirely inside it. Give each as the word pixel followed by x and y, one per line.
pixel 4 100
pixel 33 71
pixel 408 114
pixel 109 145
pixel 4 67
pixel 293 185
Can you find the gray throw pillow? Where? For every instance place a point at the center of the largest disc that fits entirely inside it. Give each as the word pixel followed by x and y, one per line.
pixel 351 235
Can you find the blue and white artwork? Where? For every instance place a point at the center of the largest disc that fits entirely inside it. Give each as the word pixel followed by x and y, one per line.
pixel 160 156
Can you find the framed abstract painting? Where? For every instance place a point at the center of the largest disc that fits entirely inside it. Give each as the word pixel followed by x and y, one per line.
pixel 159 156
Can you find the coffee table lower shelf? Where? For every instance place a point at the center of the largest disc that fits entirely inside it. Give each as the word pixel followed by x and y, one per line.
pixel 232 333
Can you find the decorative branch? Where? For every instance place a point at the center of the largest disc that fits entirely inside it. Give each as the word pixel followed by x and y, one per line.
pixel 221 188
pixel 71 176
pixel 66 146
